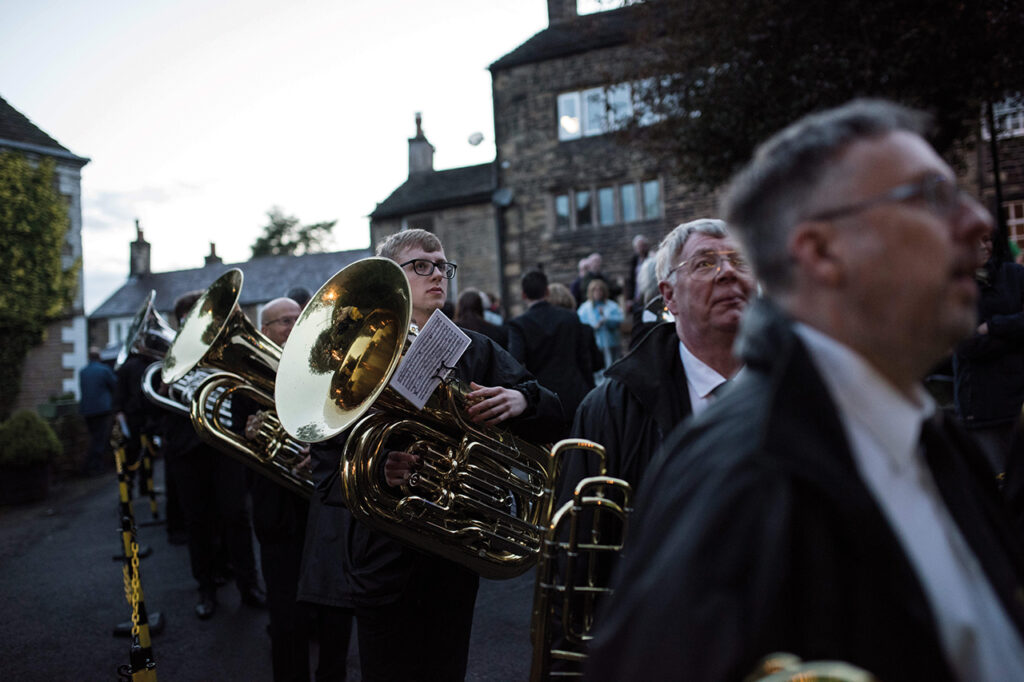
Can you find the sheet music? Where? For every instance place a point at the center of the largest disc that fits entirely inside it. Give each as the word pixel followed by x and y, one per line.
pixel 435 350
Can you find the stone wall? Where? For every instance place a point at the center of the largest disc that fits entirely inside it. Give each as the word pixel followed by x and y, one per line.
pixel 536 166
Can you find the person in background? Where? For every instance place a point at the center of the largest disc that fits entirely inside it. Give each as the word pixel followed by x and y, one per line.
pixel 469 314
pixel 212 488
pixel 560 296
pixel 605 317
pixel 553 344
pixel 634 292
pixel 97 384
pixel 492 308
pixel 988 368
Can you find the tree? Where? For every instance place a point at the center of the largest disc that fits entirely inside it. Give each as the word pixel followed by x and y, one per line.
pixel 725 76
pixel 283 235
pixel 35 287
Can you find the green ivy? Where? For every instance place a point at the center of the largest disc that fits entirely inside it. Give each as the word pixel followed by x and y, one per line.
pixel 34 286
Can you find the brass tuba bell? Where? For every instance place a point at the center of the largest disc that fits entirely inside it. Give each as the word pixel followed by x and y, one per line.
pixel 218 339
pixel 149 335
pixel 479 495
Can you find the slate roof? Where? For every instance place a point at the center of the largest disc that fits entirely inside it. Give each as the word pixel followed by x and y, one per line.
pixel 17 132
pixel 264 279
pixel 433 190
pixel 581 34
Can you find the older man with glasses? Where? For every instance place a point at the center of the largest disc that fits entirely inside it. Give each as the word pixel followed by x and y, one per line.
pixel 823 506
pixel 677 367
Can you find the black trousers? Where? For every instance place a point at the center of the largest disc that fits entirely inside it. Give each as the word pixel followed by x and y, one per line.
pixel 423 636
pixel 334 629
pixel 99 426
pixel 212 490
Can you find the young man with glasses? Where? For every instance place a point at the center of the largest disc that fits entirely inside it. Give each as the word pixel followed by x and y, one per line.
pixel 414 611
pixel 823 506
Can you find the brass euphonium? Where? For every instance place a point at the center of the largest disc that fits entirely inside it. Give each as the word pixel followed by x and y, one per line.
pixel 478 497
pixel 149 335
pixel 217 338
pixel 582 542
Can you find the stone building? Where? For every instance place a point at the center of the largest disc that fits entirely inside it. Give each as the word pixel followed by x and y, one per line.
pixel 564 185
pixel 51 369
pixel 561 186
pixel 979 176
pixel 264 279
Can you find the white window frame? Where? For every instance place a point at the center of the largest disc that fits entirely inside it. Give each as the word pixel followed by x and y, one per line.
pixel 1009 116
pixel 569 102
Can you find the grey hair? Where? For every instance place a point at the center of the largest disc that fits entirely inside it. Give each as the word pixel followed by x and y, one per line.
pixel 647 281
pixel 390 246
pixel 674 241
pixel 778 186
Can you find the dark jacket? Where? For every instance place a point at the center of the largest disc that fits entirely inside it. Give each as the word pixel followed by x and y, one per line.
pixel 552 344
pixel 643 400
pixel 755 533
pixel 129 397
pixel 97 383
pixel 278 513
pixel 346 563
pixel 989 368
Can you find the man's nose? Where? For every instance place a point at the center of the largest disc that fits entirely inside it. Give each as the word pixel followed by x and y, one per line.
pixel 726 270
pixel 973 221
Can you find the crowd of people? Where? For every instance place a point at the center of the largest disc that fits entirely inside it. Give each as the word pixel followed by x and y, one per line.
pixel 757 378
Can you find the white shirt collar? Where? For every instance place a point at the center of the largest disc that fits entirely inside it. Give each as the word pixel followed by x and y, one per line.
pixel 866 400
pixel 701 378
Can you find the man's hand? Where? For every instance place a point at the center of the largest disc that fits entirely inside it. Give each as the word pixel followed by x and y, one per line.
pixel 305 465
pixel 399 466
pixel 983 328
pixel 252 425
pixel 494 404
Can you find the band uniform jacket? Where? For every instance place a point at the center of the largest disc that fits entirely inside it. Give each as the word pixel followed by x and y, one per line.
pixel 754 533
pixel 643 400
pixel 553 345
pixel 376 567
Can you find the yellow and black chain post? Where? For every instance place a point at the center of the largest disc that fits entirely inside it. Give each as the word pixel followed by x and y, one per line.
pixel 148 450
pixel 142 665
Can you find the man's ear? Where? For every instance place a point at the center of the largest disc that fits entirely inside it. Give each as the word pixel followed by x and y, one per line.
pixel 813 246
pixel 667 294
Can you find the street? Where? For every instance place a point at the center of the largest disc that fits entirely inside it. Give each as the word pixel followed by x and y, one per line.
pixel 63 594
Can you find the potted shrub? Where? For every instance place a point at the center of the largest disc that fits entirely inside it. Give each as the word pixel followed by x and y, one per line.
pixel 27 447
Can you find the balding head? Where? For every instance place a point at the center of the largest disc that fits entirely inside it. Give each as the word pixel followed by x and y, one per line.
pixel 277 319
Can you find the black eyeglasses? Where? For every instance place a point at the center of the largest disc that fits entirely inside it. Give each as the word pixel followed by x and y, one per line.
pixel 940 193
pixel 425 268
pixel 707 264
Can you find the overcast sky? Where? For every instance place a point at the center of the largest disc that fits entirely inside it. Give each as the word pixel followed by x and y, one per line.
pixel 201 115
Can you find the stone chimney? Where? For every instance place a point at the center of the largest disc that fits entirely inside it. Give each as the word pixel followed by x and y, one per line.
pixel 213 258
pixel 560 11
pixel 421 152
pixel 138 254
